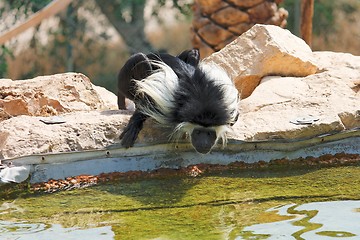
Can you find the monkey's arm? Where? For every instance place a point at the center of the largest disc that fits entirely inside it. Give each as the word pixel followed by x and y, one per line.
pixel 131 131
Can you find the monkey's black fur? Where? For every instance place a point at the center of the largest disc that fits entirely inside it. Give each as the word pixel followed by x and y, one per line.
pixel 179 91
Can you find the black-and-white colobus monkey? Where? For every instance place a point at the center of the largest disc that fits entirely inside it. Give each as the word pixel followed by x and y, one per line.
pixel 193 97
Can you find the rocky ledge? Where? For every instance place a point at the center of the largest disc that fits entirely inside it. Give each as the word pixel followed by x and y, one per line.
pixel 288 92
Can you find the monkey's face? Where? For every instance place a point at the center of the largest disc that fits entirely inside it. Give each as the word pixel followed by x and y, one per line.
pixel 203 139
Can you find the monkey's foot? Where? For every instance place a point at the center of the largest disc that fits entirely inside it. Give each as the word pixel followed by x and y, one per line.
pixel 128 136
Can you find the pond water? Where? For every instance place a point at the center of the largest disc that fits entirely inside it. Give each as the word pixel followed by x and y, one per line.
pixel 316 220
pixel 318 203
pixel 39 231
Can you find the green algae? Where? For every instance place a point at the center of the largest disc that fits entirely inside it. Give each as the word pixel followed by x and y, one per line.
pixel 214 206
pixel 304 222
pixel 336 234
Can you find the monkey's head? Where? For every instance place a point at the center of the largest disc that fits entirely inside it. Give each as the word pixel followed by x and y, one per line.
pixel 200 100
pixel 207 106
pixel 203 139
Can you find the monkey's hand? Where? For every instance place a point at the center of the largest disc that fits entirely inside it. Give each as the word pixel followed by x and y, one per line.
pixel 128 136
pixel 131 131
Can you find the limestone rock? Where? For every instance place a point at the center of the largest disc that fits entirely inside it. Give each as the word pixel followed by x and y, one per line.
pixel 51 95
pixel 262 51
pixel 109 99
pixel 328 95
pixel 81 131
pixel 26 135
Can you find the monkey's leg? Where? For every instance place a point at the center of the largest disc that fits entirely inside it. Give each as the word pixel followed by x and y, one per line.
pixel 191 57
pixel 137 67
pixel 131 131
pixel 121 101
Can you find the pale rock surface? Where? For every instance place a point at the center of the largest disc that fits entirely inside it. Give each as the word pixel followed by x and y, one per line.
pixel 325 85
pixel 86 130
pixel 26 135
pixel 332 96
pixel 262 51
pixel 51 95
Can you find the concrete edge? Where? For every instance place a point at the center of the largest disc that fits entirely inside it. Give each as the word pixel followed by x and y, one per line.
pixel 151 157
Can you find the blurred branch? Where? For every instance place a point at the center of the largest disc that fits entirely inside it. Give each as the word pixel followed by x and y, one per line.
pixel 307 12
pixel 131 29
pixel 50 10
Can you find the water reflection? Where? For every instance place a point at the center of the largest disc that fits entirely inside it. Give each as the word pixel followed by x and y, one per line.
pixel 316 220
pixel 40 231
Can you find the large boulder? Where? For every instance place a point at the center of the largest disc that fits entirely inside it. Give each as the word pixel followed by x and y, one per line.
pixel 264 50
pixel 28 107
pixel 330 98
pixel 52 95
pixel 79 131
pixel 282 81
